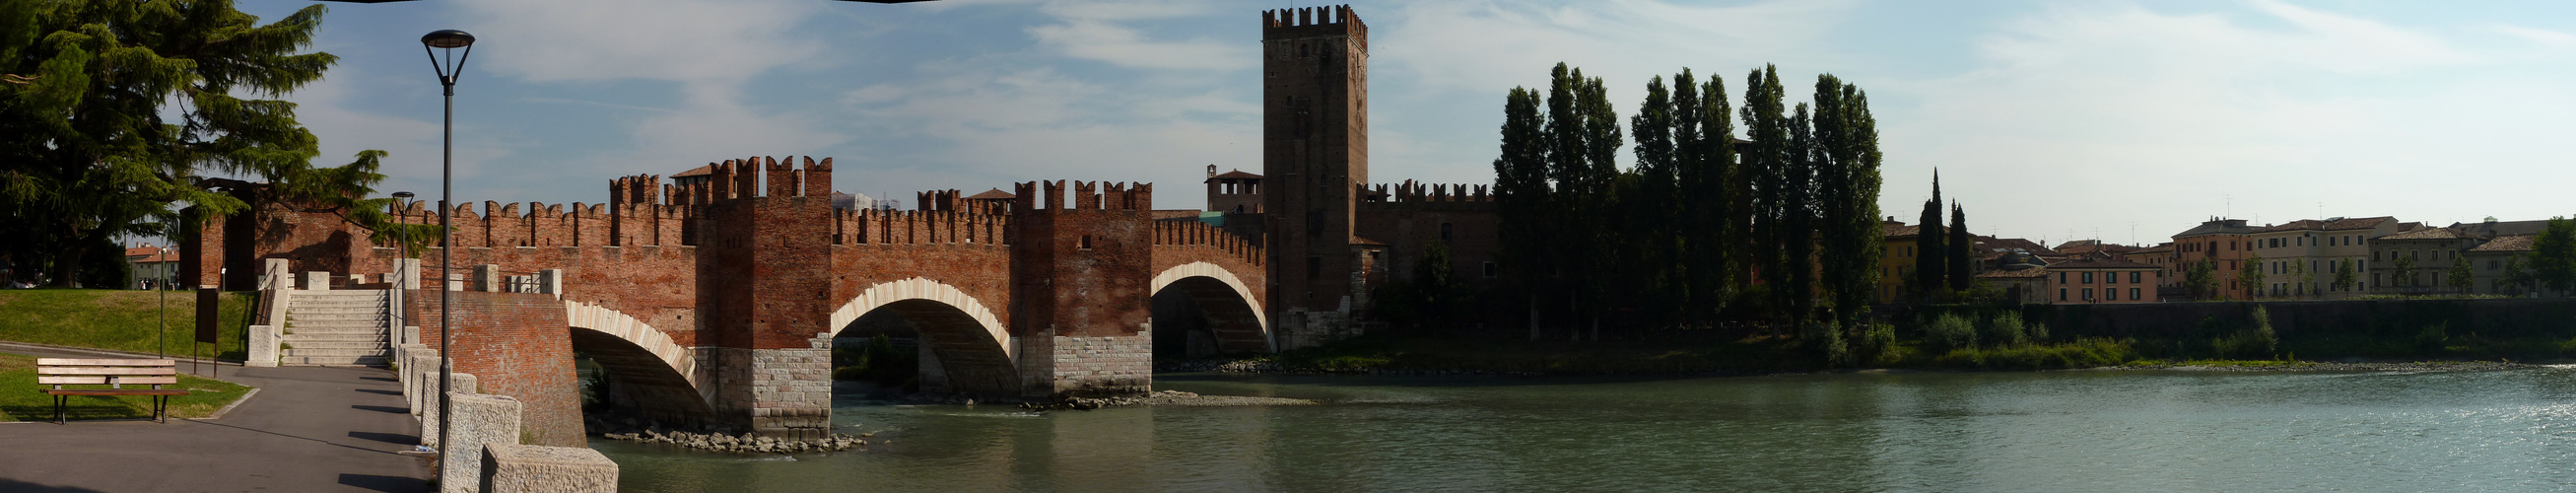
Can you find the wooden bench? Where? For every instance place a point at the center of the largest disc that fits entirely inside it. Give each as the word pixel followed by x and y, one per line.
pixel 113 373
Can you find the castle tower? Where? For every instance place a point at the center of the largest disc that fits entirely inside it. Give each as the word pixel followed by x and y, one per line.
pixel 1314 152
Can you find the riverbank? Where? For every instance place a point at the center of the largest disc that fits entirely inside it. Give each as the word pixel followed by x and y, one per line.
pixel 1169 398
pixel 1751 355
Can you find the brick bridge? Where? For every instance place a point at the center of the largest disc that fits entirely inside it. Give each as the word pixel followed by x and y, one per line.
pixel 715 299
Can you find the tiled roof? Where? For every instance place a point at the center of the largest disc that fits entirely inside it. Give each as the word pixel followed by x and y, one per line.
pixel 697 171
pixel 2506 243
pixel 994 194
pixel 1234 174
pixel 1362 240
pixel 147 255
pixel 2013 274
pixel 1999 245
pixel 2358 223
pixel 1895 230
pixel 2164 248
pixel 2503 227
pixel 2299 225
pixel 2424 234
pixel 2222 226
pixel 2099 264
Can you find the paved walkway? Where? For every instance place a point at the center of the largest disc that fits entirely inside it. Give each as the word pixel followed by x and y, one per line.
pixel 308 429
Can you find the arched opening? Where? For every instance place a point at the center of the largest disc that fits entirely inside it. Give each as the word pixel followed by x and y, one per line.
pixel 957 352
pixel 1201 316
pixel 624 380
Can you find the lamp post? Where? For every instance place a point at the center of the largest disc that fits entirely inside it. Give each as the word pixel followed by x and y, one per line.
pixel 402 200
pixel 449 40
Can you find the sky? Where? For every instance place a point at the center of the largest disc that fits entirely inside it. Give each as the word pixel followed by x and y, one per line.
pixel 2048 120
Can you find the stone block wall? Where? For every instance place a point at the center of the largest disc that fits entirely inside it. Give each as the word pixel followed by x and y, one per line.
pixel 1091 366
pixel 480 420
pixel 794 390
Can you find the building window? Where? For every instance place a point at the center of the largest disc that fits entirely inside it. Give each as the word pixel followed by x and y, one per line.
pixel 2061 294
pixel 2088 294
pixel 1444 231
pixel 1490 272
pixel 2061 279
pixel 2493 265
pixel 2110 294
pixel 1314 266
pixel 2133 278
pixel 2133 295
pixel 2088 278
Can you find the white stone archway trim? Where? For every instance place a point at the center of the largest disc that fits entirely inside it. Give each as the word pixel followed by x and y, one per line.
pixel 612 322
pixel 917 288
pixel 1212 271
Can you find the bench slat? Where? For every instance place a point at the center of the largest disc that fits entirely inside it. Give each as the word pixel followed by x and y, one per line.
pixel 95 392
pixel 98 370
pixel 104 362
pixel 103 380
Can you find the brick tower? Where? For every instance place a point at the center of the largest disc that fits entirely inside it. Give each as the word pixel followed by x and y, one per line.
pixel 1314 158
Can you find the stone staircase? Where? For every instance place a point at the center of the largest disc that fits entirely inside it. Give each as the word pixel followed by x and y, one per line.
pixel 336 328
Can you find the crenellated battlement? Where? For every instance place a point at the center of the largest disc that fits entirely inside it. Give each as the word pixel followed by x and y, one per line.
pixel 1087 195
pixel 883 227
pixel 1411 191
pixel 1199 234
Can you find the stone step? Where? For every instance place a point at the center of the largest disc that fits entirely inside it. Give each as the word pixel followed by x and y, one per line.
pixel 309 345
pixel 330 351
pixel 337 317
pixel 331 360
pixel 334 335
pixel 304 308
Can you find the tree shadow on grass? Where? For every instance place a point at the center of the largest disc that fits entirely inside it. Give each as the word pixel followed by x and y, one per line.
pixel 377 482
pixel 22 486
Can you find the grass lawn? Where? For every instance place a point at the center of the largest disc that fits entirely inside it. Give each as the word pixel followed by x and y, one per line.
pixel 122 320
pixel 20 399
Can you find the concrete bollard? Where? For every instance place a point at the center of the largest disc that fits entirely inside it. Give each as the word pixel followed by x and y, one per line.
pixel 317 281
pixel 264 341
pixel 480 420
pixel 547 469
pixel 462 384
pixel 413 357
pixel 487 278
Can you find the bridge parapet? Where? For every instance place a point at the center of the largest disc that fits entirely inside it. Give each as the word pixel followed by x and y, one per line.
pixel 872 226
pixel 1169 234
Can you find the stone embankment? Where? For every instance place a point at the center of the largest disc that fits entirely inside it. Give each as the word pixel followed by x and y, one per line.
pixel 1163 398
pixel 1262 366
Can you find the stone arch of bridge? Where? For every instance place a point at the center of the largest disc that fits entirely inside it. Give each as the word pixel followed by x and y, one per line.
pixel 658 376
pixel 1233 313
pixel 969 346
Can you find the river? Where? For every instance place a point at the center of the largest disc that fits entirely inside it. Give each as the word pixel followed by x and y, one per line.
pixel 2509 430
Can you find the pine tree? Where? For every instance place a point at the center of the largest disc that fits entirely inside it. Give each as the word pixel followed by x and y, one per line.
pixel 111 112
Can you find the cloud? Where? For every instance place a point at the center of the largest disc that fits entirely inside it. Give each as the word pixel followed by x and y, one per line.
pixel 2077 114
pixel 673 40
pixel 1098 32
pixel 2543 37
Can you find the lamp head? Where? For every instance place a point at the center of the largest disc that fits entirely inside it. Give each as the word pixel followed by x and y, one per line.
pixel 447 38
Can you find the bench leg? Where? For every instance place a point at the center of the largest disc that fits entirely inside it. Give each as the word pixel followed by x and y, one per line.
pixel 58 408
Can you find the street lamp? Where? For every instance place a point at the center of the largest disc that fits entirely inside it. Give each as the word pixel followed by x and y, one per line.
pixel 402 200
pixel 449 40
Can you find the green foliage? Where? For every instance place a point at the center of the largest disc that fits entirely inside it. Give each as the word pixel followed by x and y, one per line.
pixel 2004 330
pixel 2087 352
pixel 2252 276
pixel 2345 276
pixel 1826 339
pixel 1931 259
pixel 2202 279
pixel 1671 243
pixel 2553 256
pixel 1963 250
pixel 1878 345
pixel 1949 332
pixel 2403 273
pixel 2515 278
pixel 114 111
pixel 2462 276
pixel 2038 331
pixel 2433 340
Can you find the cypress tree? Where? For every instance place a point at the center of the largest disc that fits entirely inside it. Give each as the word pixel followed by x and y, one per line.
pixel 1963 250
pixel 1931 257
pixel 1726 196
pixel 1798 233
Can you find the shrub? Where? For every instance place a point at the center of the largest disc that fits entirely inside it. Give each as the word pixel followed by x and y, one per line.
pixel 2004 331
pixel 1948 333
pixel 2038 332
pixel 1827 339
pixel 1878 344
pixel 2432 339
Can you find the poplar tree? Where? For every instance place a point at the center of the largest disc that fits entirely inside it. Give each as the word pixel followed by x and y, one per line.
pixel 1766 125
pixel 1848 185
pixel 1649 231
pixel 1798 216
pixel 1521 192
pixel 113 111
pixel 1715 199
pixel 1931 257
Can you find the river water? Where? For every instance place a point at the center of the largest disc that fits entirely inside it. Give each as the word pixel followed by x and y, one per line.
pixel 2510 430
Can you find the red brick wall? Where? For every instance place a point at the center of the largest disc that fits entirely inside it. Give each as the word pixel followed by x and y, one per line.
pixel 518 345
